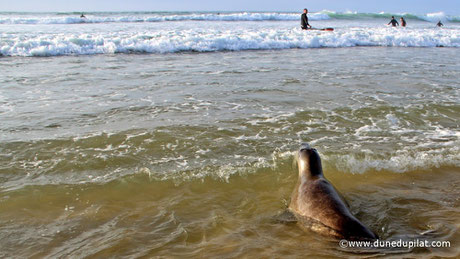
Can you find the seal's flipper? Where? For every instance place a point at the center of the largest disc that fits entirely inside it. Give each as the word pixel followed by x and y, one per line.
pixel 285 217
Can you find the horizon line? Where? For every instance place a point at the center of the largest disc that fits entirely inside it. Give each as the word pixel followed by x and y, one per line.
pixel 218 11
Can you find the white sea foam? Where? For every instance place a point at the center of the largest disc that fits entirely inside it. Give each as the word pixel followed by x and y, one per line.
pixel 434 17
pixel 402 161
pixel 393 120
pixel 256 137
pixel 241 16
pixel 126 17
pixel 168 41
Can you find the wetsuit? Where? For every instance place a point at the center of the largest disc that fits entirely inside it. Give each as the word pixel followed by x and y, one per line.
pixel 393 22
pixel 440 24
pixel 403 23
pixel 304 21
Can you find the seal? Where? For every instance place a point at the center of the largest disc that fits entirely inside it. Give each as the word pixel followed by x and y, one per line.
pixel 318 206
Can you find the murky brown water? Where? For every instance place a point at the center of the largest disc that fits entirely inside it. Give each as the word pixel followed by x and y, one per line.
pixel 138 216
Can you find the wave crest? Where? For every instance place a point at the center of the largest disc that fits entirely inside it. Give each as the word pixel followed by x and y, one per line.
pixel 74 18
pixel 217 40
pixel 244 16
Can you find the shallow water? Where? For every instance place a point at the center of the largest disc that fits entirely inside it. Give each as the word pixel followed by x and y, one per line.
pixel 192 154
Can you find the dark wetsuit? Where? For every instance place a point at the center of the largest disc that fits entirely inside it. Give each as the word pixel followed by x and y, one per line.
pixel 440 24
pixel 403 23
pixel 393 22
pixel 304 21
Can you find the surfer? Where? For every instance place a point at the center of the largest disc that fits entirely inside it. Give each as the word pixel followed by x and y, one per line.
pixel 82 16
pixel 440 24
pixel 304 20
pixel 403 22
pixel 393 22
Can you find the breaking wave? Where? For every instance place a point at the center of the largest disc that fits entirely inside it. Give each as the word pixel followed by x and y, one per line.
pixel 196 40
pixel 136 17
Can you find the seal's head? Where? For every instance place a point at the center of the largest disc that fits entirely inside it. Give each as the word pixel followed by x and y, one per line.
pixel 309 161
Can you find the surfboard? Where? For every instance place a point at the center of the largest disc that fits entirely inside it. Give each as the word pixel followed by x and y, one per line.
pixel 322 29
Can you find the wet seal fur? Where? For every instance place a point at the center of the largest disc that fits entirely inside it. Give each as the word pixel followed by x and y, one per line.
pixel 318 206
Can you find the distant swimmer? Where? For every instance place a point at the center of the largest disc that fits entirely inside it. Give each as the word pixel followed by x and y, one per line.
pixel 393 22
pixel 403 22
pixel 304 20
pixel 82 16
pixel 440 24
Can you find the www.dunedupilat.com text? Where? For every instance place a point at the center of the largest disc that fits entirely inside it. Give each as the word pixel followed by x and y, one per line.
pixel 416 243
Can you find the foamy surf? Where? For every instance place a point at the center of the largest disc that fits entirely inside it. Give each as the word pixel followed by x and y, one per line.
pixel 148 17
pixel 243 16
pixel 198 40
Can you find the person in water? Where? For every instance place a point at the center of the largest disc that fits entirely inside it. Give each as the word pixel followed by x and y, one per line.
pixel 304 20
pixel 440 24
pixel 403 22
pixel 82 16
pixel 393 22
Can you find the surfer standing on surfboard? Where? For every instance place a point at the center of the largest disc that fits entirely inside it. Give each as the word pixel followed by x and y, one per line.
pixel 304 20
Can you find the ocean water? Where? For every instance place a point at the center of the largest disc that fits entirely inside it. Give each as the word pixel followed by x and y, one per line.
pixel 175 134
pixel 46 34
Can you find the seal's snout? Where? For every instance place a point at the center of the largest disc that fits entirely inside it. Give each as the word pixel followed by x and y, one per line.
pixel 306 149
pixel 309 160
pixel 304 146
